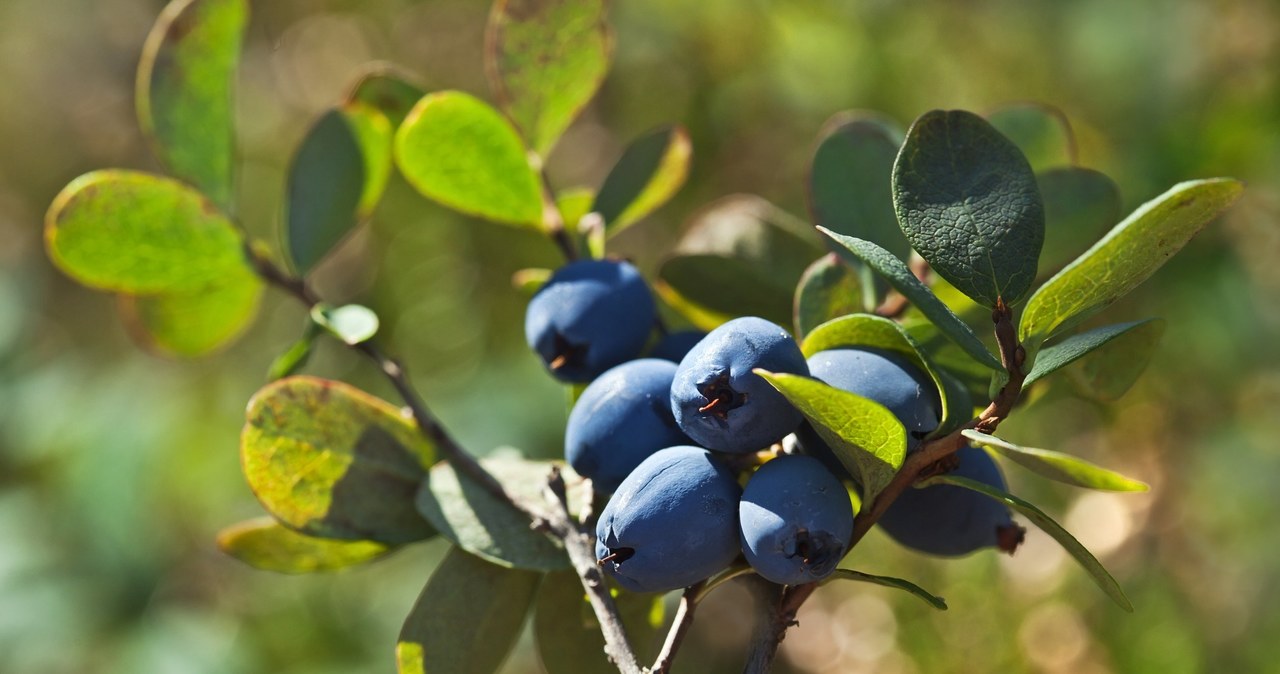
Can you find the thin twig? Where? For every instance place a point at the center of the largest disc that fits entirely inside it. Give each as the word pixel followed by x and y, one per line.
pixel 553 221
pixel 679 627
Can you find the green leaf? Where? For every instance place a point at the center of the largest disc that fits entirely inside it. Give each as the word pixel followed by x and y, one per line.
pixel 574 204
pixel 1090 563
pixel 849 180
pixel 351 323
pixel 184 91
pixel 1130 253
pixel 330 460
pixel 740 256
pixel 265 544
pixel 1073 348
pixel 867 330
pixel 649 172
pixel 193 324
pixel 294 358
pixel 336 180
pixel 829 288
pixel 889 581
pixel 467 514
pixel 869 441
pixel 141 234
pixel 467 618
pixel 546 59
pixel 1079 205
pixel 529 281
pixel 387 89
pixel 459 151
pixel 1040 131
pixel 568 633
pixel 969 204
pixel 1107 373
pixel 901 278
pixel 1058 466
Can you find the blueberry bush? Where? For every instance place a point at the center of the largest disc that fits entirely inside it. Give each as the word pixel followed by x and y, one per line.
pixel 830 377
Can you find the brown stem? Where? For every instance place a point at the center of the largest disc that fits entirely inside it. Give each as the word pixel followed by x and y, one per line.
pixel 554 222
pixel 776 613
pixel 679 627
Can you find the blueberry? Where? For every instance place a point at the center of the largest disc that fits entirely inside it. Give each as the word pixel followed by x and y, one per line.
pixel 795 518
pixel 950 521
pixel 671 523
pixel 620 419
pixel 590 316
pixel 720 403
pixel 674 346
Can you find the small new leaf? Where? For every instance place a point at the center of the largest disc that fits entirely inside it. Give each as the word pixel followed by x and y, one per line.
pixel 351 323
pixel 265 544
pixel 889 581
pixel 969 204
pixel 1058 466
pixel 869 441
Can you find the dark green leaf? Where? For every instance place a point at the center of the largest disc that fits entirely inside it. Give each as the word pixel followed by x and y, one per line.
pixel 330 460
pixel 351 323
pixel 1071 349
pixel 1042 132
pixel 969 204
pixel 1129 254
pixel 184 91
pixel 265 544
pixel 869 441
pixel 1058 466
pixel 1106 374
pixel 388 90
pixel 901 278
pixel 141 234
pixel 649 172
pixel 849 180
pixel 467 514
pixel 467 618
pixel 889 581
pixel 456 149
pixel 546 59
pixel 1090 563
pixel 197 323
pixel 568 633
pixel 1079 206
pixel 829 288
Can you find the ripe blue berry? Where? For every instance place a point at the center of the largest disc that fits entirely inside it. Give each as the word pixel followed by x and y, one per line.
pixel 951 521
pixel 795 518
pixel 721 403
pixel 620 419
pixel 671 523
pixel 590 316
pixel 886 377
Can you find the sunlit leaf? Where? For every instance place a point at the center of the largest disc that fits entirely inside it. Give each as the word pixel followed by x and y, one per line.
pixel 1057 466
pixel 529 281
pixel 649 172
pixel 351 323
pixel 265 544
pixel 196 323
pixel 889 581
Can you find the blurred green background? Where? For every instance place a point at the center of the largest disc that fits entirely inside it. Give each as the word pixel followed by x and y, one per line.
pixel 117 467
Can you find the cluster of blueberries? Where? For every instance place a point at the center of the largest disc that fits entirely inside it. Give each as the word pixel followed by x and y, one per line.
pixel 655 432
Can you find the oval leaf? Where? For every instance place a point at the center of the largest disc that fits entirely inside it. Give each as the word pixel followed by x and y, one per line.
pixel 649 172
pixel 889 581
pixel 568 633
pixel 1079 205
pixel 1130 253
pixel 869 441
pixel 546 59
pixel 142 234
pixel 849 180
pixel 193 324
pixel 265 544
pixel 969 204
pixel 1057 466
pixel 336 180
pixel 467 618
pixel 1041 132
pixel 1107 373
pixel 829 288
pixel 457 150
pixel 1086 559
pixel 352 323
pixel 184 91
pixel 332 461
pixel 902 280
pixel 467 514
pixel 1071 349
